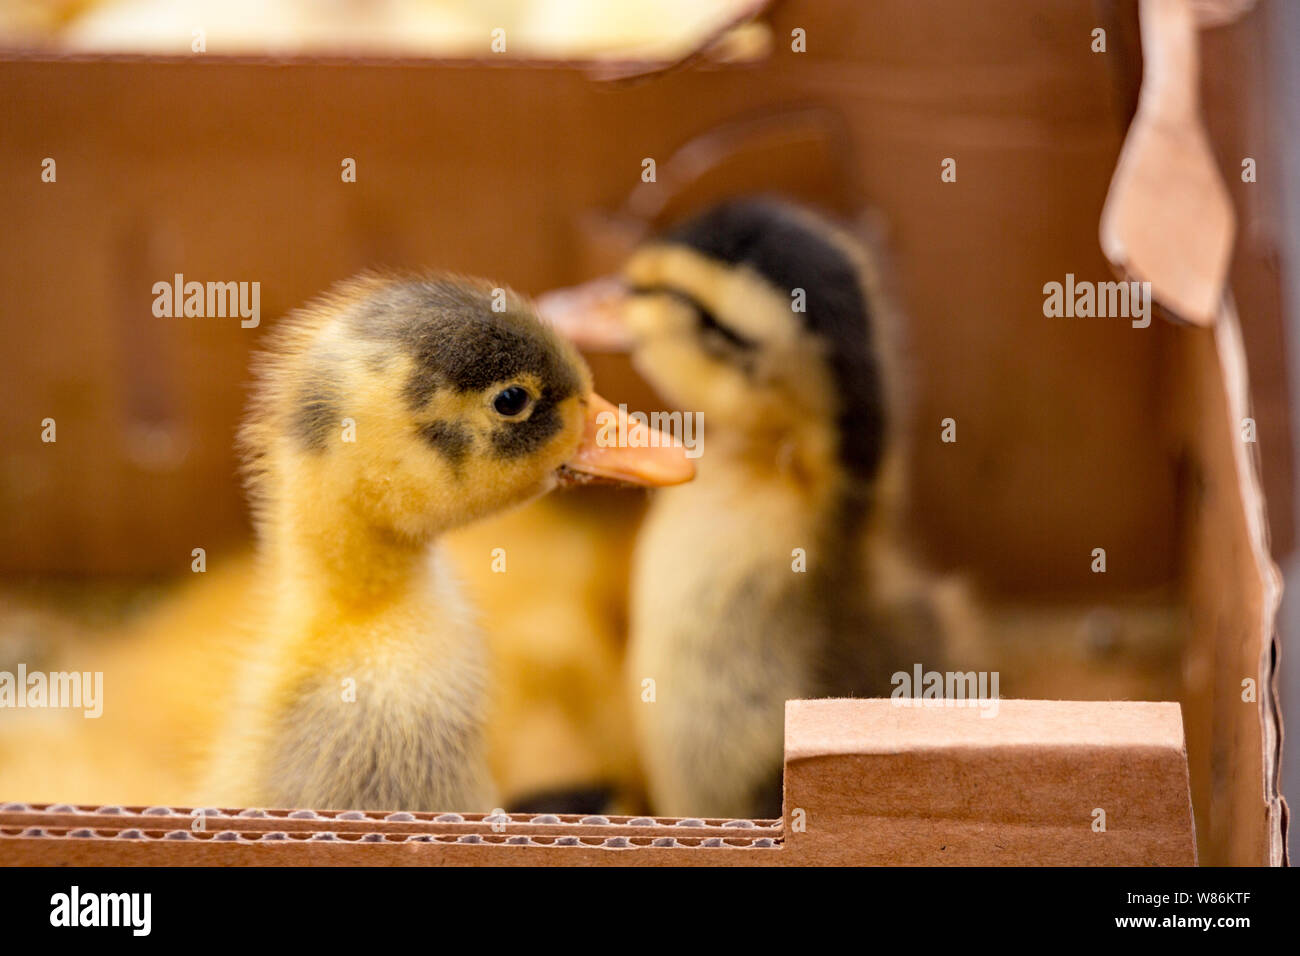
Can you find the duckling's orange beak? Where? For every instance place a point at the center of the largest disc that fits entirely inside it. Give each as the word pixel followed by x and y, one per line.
pixel 614 448
pixel 589 315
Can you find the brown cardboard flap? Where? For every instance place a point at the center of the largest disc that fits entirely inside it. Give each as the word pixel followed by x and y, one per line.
pixel 1038 783
pixel 1234 588
pixel 1168 219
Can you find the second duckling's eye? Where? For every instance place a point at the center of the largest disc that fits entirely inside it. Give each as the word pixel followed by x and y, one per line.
pixel 511 401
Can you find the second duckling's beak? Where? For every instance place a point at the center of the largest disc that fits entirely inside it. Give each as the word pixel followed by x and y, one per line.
pixel 589 315
pixel 614 448
pixel 619 450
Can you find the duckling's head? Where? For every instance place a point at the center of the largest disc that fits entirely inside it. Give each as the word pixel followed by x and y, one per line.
pixel 757 314
pixel 419 404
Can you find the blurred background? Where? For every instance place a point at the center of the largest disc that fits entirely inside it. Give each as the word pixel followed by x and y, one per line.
pixel 525 167
pixel 556 29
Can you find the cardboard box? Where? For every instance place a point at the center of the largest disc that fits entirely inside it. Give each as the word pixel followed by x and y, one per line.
pixel 1075 433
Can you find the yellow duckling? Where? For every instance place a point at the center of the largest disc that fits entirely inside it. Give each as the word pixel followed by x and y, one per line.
pixel 776 574
pixel 386 413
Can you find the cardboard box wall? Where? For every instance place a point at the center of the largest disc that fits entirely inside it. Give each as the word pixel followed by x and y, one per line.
pixel 1074 434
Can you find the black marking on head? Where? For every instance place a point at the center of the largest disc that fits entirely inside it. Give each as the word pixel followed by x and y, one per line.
pixel 715 332
pixel 378 362
pixel 519 439
pixel 451 440
pixel 458 342
pixel 315 413
pixel 777 242
pixel 421 385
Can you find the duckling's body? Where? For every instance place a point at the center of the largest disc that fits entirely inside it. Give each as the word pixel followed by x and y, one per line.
pixel 776 574
pixel 725 631
pixel 364 706
pixel 729 631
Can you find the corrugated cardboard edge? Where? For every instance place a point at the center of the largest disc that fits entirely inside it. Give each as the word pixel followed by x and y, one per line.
pixel 65 835
pixel 1236 388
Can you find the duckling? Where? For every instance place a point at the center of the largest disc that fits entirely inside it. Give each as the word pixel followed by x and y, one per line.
pixel 388 412
pixel 559 733
pixel 777 573
pixel 165 667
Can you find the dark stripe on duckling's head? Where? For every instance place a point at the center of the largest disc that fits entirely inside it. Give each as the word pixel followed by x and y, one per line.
pixel 518 439
pixel 449 438
pixel 719 337
pixel 778 242
pixel 316 413
pixel 457 342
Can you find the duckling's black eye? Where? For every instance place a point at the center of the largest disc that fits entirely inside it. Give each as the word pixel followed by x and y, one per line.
pixel 511 401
